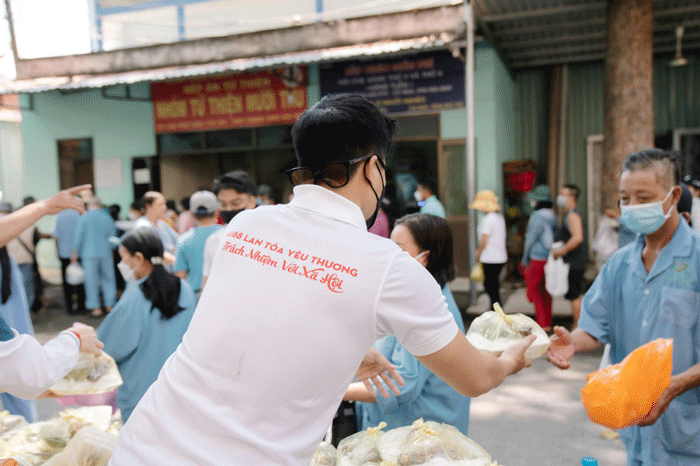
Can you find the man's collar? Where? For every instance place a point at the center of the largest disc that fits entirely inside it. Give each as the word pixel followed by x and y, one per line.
pixel 679 246
pixel 326 202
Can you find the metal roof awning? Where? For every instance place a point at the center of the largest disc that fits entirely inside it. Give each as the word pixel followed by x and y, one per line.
pixel 532 33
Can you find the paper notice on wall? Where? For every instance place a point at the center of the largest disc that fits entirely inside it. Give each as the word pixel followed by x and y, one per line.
pixel 108 173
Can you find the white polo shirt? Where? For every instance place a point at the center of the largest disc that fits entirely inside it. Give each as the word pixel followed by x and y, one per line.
pixel 297 295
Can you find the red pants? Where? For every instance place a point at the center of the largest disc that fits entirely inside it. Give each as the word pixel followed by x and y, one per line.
pixel 536 292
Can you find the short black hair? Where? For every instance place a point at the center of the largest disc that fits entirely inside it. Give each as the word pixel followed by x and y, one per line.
pixel 114 211
pixel 341 127
pixel 137 205
pixel 238 180
pixel 574 189
pixel 185 203
pixel 170 204
pixel 432 233
pixel 429 183
pixel 655 158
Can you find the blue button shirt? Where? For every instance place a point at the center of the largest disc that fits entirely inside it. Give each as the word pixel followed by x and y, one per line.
pixel 433 206
pixel 628 307
pixel 92 233
pixel 190 253
pixel 64 232
pixel 424 395
pixel 140 341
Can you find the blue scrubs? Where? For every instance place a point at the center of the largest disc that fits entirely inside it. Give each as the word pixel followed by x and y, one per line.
pixel 91 242
pixel 15 313
pixel 190 254
pixel 140 341
pixel 433 206
pixel 628 307
pixel 424 395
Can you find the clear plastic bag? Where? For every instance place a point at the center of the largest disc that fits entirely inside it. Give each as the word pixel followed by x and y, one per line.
pixel 91 376
pixel 360 449
pixel 494 331
pixel 89 447
pixel 623 394
pixel 326 455
pixel 429 443
pixel 75 275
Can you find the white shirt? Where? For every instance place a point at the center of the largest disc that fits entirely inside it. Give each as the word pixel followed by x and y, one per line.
pixel 210 248
pixel 270 352
pixel 28 369
pixel 494 225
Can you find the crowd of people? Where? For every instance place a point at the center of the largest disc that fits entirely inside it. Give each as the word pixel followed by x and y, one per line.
pixel 244 322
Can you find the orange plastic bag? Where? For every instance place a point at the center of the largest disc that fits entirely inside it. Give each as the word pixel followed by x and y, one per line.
pixel 621 395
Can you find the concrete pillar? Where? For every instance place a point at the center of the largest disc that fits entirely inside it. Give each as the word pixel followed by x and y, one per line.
pixel 629 99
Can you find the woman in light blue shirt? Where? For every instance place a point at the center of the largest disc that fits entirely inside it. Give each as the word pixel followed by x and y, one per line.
pixel 428 239
pixel 147 324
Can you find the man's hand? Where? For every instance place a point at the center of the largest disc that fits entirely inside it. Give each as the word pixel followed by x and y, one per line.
pixel 88 340
pixel 514 355
pixel 561 349
pixel 661 405
pixel 375 367
pixel 557 253
pixel 66 199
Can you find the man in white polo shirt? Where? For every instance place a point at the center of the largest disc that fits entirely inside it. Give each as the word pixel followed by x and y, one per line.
pixel 297 295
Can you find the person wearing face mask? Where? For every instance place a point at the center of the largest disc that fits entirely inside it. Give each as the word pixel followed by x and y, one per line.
pixel 426 192
pixel 150 318
pixel 297 295
pixel 428 239
pixel 649 289
pixel 235 192
pixel 570 232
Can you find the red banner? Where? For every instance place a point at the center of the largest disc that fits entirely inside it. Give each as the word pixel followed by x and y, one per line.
pixel 271 97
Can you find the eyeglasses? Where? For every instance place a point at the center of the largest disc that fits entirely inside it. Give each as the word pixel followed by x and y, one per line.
pixel 335 174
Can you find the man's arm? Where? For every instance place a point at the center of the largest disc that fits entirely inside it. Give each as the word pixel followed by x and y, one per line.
pixel 565 344
pixel 680 383
pixel 15 223
pixel 357 391
pixel 471 372
pixel 575 224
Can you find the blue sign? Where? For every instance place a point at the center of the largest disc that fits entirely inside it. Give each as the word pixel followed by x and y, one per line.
pixel 429 81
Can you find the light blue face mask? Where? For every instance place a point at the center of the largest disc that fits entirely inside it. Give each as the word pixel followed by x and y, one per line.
pixel 645 218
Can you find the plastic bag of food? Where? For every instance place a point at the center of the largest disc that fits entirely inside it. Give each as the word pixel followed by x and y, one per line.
pixel 89 447
pixel 326 455
pixel 494 331
pixel 91 376
pixel 9 422
pixel 623 394
pixel 477 274
pixel 431 444
pixel 360 449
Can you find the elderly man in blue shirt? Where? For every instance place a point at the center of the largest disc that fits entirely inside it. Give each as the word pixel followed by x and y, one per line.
pixel 64 233
pixel 92 244
pixel 649 289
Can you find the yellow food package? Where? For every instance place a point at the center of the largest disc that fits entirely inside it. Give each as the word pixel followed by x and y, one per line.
pixel 623 394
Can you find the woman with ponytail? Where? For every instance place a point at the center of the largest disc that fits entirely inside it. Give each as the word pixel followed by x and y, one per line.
pixel 148 322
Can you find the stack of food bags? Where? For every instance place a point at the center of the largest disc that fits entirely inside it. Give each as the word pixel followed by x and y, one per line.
pixel 92 375
pixel 425 443
pixel 494 331
pixel 34 444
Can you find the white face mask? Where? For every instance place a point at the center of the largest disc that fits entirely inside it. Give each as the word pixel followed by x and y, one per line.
pixel 126 272
pixel 418 196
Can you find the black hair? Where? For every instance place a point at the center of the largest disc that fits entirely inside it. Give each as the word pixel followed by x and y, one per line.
pixel 114 211
pixel 574 189
pixel 430 183
pixel 685 203
pixel 341 127
pixel 137 205
pixel 201 217
pixel 238 180
pixel 185 202
pixel 432 233
pixel 161 288
pixel 6 277
pixel 648 158
pixel 170 204
pixel 544 205
pixel 28 200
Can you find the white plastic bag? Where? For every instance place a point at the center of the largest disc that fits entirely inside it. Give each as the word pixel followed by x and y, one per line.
pixel 91 376
pixel 493 332
pixel 75 275
pixel 556 274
